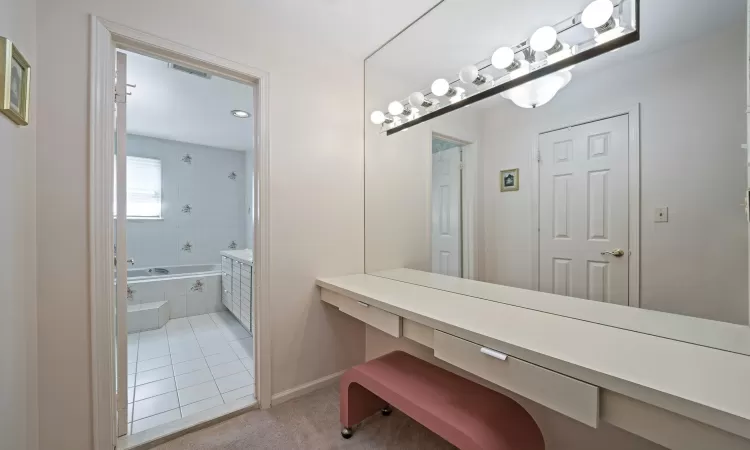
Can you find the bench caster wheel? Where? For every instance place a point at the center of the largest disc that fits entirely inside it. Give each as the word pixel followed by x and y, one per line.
pixel 346 433
pixel 386 411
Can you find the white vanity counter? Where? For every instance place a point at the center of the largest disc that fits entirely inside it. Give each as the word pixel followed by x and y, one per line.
pixel 671 380
pixel 244 255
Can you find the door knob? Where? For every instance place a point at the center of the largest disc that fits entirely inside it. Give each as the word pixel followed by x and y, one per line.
pixel 618 252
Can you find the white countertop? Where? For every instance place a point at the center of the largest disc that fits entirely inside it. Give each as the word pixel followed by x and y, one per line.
pixel 244 255
pixel 706 384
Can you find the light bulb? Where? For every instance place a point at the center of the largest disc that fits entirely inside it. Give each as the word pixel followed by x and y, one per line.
pixel 441 88
pixel 468 74
pixel 503 58
pixel 417 100
pixel 377 117
pixel 597 14
pixel 544 39
pixel 396 108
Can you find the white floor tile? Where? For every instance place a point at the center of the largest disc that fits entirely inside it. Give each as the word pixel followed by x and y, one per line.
pixel 238 393
pixel 154 405
pixel 151 351
pixel 190 366
pixel 193 378
pixel 150 376
pixel 234 333
pixel 202 322
pixel 151 364
pixel 197 393
pixel 243 348
pixel 215 348
pixel 249 364
pixel 184 346
pixel 186 356
pixel 235 381
pixel 132 352
pixel 201 405
pixel 131 368
pixel 133 338
pixel 131 380
pixel 130 412
pixel 131 394
pixel 153 334
pixel 158 419
pixel 226 369
pixel 153 389
pixel 221 358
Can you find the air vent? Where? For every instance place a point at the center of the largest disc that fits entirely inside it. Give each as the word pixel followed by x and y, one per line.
pixel 190 71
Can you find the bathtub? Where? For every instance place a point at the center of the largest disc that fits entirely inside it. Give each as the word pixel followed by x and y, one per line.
pixel 158 294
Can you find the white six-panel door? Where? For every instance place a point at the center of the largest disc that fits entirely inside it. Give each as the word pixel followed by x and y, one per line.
pixel 446 212
pixel 583 211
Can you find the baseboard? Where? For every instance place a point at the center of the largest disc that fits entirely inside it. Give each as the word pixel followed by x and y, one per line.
pixel 289 394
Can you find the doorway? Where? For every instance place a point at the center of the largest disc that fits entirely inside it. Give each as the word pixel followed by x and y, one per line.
pixel 205 331
pixel 453 194
pixel 586 203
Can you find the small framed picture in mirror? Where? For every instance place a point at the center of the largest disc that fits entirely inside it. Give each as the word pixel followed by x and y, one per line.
pixel 509 180
pixel 15 75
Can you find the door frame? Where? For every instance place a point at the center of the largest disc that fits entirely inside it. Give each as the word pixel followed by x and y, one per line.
pixel 634 198
pixel 468 203
pixel 106 37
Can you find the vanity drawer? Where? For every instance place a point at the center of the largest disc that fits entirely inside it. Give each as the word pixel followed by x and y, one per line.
pixel 418 332
pixel 568 396
pixel 245 280
pixel 375 317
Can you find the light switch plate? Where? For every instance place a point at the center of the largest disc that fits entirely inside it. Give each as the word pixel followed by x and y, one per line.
pixel 661 215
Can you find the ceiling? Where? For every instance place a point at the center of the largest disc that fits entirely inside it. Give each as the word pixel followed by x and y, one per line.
pixel 173 105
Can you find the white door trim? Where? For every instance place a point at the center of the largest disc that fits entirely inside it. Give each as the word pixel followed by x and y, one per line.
pixel 634 199
pixel 105 37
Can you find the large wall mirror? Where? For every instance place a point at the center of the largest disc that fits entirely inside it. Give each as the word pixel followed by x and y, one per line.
pixel 617 186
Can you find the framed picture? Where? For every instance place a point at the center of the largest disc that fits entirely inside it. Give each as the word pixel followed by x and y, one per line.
pixel 15 76
pixel 509 180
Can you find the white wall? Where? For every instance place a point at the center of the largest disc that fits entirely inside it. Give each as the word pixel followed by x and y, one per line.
pixel 18 298
pixel 316 214
pixel 692 127
pixel 217 205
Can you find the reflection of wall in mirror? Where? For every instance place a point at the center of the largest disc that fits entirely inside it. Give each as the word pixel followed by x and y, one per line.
pixel 691 123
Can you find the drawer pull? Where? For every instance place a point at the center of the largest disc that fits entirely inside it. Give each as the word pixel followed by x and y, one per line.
pixel 363 304
pixel 494 354
pixel 226 291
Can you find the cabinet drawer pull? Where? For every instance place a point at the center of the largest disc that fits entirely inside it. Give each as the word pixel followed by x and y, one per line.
pixel 494 354
pixel 226 291
pixel 363 304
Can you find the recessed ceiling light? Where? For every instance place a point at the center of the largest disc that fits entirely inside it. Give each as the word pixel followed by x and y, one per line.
pixel 240 113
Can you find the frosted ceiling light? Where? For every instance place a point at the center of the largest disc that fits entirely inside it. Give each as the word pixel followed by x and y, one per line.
pixel 240 114
pixel 417 99
pixel 505 59
pixel 545 40
pixel 441 88
pixel 540 91
pixel 598 15
pixel 396 108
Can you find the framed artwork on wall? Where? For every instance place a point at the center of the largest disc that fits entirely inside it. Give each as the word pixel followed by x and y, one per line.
pixel 509 180
pixel 15 77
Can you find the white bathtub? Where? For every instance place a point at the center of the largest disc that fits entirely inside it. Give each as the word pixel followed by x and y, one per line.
pixel 154 297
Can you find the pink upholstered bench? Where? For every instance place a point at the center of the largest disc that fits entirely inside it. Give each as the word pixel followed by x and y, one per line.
pixel 466 414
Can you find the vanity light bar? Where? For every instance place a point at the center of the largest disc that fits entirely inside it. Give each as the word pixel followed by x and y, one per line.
pixel 599 16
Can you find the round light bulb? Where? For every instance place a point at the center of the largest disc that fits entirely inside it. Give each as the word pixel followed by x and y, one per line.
pixel 597 13
pixel 440 87
pixel 377 117
pixel 503 58
pixel 543 39
pixel 468 74
pixel 416 99
pixel 396 108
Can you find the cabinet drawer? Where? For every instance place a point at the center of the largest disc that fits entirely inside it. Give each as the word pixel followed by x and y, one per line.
pixel 245 280
pixel 563 394
pixel 417 332
pixel 245 294
pixel 246 270
pixel 382 320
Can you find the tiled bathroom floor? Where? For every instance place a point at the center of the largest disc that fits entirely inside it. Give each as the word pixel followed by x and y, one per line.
pixel 189 365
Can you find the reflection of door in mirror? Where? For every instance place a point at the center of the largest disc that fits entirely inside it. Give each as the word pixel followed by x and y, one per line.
pixel 583 211
pixel 446 207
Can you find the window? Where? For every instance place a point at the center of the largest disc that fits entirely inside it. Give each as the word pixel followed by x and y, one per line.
pixel 144 188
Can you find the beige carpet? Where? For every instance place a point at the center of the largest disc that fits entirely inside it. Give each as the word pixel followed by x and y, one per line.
pixel 309 422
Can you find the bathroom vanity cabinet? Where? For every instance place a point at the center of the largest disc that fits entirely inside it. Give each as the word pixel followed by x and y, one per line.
pixel 237 285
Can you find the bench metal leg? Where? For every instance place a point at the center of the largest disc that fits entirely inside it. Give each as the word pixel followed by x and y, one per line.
pixel 347 433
